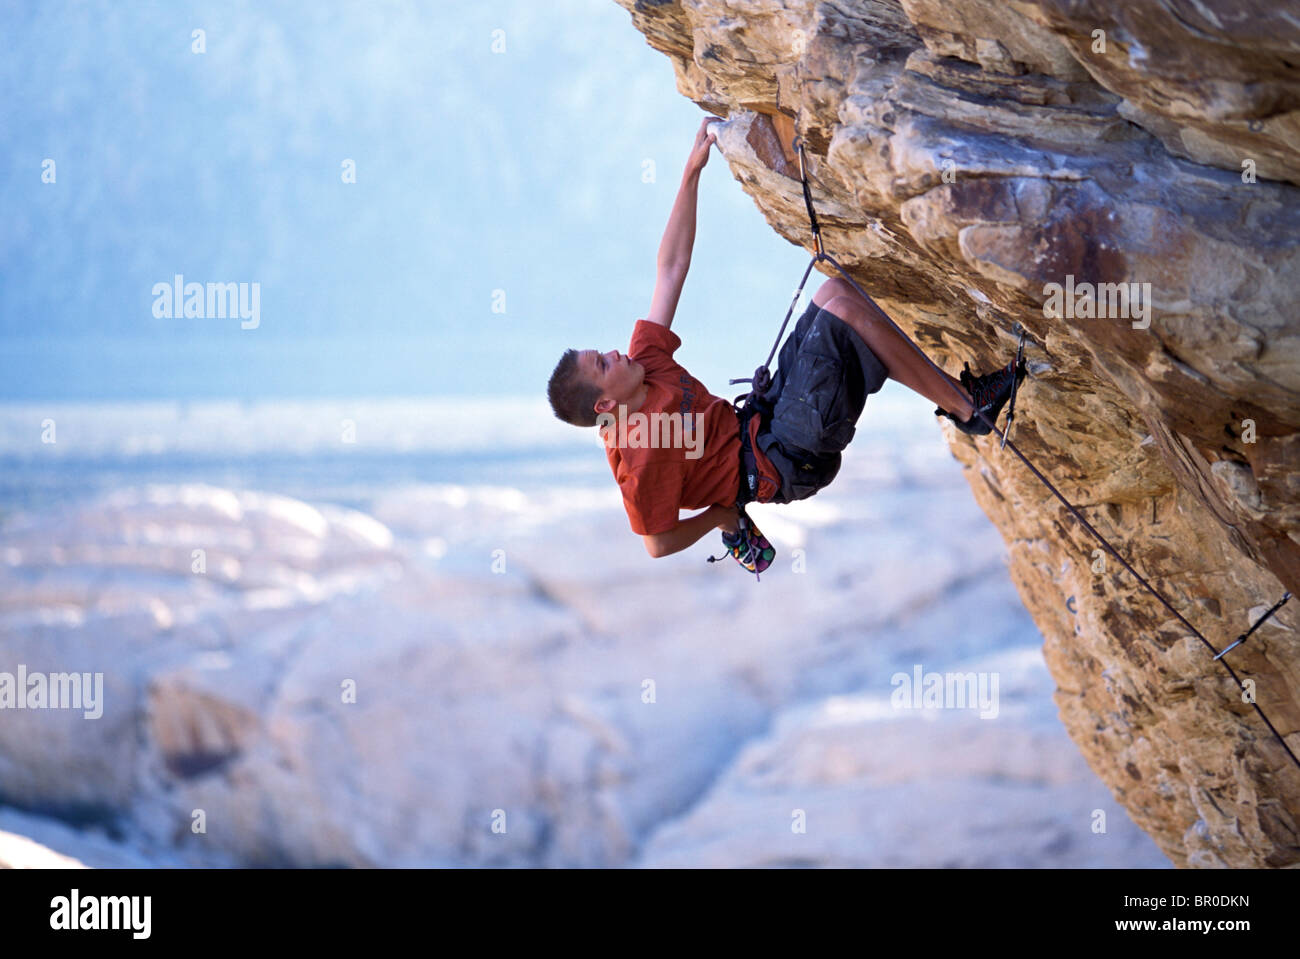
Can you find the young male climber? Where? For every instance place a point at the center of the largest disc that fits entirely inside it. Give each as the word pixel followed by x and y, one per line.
pixel 841 350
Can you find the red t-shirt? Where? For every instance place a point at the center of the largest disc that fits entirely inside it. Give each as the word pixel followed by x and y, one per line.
pixel 681 448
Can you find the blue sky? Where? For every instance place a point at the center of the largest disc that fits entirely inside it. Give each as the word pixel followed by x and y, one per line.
pixel 476 171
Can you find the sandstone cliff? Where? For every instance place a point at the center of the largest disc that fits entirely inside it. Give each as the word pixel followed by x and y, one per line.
pixel 965 155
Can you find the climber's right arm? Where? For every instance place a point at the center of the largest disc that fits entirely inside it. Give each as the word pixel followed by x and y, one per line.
pixel 689 531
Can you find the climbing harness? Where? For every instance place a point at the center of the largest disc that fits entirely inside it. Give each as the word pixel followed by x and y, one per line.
pixel 761 379
pixel 748 546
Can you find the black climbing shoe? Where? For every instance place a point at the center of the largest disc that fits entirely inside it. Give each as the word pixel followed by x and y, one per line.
pixel 990 393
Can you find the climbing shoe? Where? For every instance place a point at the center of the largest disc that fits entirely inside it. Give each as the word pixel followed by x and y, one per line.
pixel 990 393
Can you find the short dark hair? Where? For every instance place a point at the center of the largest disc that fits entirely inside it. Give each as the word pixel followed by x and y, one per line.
pixel 573 397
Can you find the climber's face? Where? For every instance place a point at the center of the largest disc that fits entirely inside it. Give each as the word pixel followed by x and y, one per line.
pixel 615 374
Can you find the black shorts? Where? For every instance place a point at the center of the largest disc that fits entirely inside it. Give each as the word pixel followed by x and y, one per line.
pixel 825 371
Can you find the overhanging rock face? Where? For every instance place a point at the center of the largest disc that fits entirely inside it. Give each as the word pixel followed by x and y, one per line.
pixel 966 156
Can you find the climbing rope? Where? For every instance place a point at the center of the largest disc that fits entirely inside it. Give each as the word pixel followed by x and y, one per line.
pixel 761 379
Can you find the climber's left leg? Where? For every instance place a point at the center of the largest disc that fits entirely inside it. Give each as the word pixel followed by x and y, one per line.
pixel 901 357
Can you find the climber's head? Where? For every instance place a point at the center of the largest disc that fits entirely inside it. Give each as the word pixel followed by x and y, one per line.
pixel 587 383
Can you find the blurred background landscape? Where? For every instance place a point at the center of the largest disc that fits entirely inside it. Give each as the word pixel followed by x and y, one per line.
pixel 358 597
